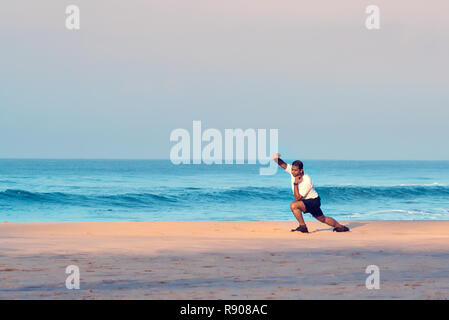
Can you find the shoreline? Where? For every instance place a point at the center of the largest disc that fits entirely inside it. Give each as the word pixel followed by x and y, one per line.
pixel 224 260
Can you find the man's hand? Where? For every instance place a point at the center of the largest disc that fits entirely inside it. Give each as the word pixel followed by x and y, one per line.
pixel 277 158
pixel 297 179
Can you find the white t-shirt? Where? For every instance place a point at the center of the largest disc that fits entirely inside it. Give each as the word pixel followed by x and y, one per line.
pixel 305 185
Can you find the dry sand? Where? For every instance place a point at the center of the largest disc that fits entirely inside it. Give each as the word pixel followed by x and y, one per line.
pixel 224 260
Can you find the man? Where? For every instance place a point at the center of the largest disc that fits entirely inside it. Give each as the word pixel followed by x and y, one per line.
pixel 306 198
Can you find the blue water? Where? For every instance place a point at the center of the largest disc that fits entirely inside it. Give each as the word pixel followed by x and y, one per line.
pixel 156 190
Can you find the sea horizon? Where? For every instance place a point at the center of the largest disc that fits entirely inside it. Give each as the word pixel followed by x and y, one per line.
pixel 168 159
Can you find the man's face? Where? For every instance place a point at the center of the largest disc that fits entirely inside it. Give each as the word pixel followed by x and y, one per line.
pixel 296 171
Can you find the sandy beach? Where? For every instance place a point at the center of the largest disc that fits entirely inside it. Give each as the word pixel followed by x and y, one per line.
pixel 224 260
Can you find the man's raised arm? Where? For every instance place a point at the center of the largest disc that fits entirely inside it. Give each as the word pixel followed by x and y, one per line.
pixel 277 158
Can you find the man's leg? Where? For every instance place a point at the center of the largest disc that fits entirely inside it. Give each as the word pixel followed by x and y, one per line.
pixel 297 208
pixel 329 221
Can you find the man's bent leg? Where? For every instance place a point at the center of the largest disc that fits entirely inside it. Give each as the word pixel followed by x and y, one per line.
pixel 297 208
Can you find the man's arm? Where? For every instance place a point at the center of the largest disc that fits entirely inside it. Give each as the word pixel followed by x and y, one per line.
pixel 277 158
pixel 296 193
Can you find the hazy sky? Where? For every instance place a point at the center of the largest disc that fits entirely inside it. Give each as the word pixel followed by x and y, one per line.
pixel 139 69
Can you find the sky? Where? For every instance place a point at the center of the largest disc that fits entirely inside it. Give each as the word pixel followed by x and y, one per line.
pixel 137 70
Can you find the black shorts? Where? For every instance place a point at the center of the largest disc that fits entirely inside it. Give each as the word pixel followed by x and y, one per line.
pixel 313 206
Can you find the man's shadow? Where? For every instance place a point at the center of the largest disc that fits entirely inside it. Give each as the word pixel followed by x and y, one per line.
pixel 352 225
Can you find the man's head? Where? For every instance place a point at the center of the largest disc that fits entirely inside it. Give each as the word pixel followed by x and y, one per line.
pixel 297 168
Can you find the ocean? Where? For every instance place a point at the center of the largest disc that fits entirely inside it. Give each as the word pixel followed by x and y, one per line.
pixel 33 190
